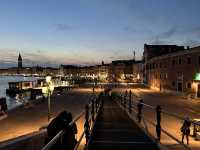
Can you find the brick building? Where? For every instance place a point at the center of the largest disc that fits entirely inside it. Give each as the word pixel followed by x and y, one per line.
pixel 175 70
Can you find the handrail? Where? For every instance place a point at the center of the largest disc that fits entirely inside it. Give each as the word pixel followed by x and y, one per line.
pixel 90 104
pixel 167 133
pixel 153 107
pixel 133 103
pixel 59 134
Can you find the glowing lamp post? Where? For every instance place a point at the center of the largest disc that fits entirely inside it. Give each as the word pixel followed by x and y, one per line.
pixel 48 91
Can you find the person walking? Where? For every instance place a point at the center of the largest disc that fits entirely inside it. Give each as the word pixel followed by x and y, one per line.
pixel 185 129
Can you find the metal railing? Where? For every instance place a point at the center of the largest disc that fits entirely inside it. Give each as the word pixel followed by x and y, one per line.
pixel 91 112
pixel 130 105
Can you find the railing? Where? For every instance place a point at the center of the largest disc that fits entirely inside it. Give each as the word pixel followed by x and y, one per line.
pixel 137 106
pixel 91 112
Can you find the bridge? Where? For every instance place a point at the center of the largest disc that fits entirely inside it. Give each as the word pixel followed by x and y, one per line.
pixel 114 129
pixel 111 121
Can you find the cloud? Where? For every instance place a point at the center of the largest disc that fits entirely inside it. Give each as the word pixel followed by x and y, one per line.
pixel 62 27
pixel 191 43
pixel 129 29
pixel 195 31
pixel 174 31
pixel 169 33
pixel 138 30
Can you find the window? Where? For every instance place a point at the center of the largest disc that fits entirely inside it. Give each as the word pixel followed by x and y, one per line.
pixel 173 83
pixel 165 65
pixel 199 60
pixel 173 62
pixel 160 65
pixel 188 60
pixel 189 85
pixel 160 76
pixel 179 61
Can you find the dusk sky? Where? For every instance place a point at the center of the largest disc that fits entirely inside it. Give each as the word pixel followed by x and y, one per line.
pixel 49 32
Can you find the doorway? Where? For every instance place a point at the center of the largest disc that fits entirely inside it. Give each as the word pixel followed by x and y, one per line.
pixel 198 90
pixel 180 87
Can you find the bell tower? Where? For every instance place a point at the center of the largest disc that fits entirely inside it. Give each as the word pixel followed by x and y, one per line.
pixel 19 61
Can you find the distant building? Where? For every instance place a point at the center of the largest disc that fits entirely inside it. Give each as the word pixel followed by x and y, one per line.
pixel 138 68
pixel 19 61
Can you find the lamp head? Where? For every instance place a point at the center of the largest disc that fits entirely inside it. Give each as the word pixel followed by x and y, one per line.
pixel 48 79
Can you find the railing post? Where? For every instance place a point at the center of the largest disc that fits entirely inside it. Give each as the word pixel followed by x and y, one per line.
pixel 96 103
pixel 125 96
pixel 87 125
pixel 158 125
pixel 130 105
pixel 92 110
pixel 140 106
pixel 121 99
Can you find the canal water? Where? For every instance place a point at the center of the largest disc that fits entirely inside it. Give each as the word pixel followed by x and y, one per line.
pixel 12 102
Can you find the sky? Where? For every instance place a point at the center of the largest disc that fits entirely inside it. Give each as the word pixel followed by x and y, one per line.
pixel 53 32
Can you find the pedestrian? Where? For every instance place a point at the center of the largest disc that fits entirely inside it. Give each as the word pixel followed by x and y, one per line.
pixel 93 90
pixel 185 129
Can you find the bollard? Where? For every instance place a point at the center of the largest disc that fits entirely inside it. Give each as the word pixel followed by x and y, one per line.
pixel 140 106
pixel 92 110
pixel 87 125
pixel 130 107
pixel 158 125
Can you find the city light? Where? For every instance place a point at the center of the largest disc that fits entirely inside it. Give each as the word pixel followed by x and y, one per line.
pixel 197 77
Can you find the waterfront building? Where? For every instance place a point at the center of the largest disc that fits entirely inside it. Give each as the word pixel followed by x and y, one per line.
pixel 175 70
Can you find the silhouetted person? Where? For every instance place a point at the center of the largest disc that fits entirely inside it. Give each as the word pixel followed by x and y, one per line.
pixel 93 90
pixel 185 129
pixel 69 137
pixel 55 126
pixel 3 106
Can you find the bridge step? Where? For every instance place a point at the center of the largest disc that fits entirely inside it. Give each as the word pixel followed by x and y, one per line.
pixel 115 130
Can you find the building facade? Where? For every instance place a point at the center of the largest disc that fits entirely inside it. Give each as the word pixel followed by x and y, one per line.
pixel 175 71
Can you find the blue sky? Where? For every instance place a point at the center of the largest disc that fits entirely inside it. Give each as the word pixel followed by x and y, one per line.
pixel 49 32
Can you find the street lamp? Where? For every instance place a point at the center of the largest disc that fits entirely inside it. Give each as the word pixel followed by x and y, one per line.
pixel 47 92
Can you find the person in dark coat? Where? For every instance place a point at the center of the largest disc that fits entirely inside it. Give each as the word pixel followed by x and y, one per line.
pixel 54 127
pixel 69 137
pixel 185 129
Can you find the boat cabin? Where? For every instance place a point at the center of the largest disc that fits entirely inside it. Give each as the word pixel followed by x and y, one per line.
pixel 21 85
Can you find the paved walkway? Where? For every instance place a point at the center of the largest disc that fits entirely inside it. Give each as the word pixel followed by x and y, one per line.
pixel 115 130
pixel 22 120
